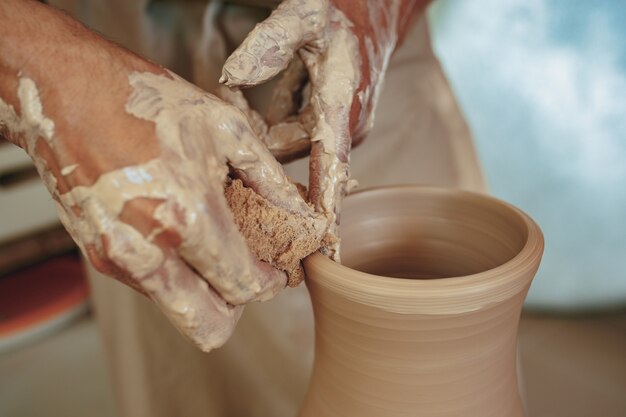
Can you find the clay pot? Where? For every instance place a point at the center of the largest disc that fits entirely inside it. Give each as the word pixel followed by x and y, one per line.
pixel 421 317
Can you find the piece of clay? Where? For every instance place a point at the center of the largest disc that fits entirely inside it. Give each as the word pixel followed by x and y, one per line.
pixel 274 234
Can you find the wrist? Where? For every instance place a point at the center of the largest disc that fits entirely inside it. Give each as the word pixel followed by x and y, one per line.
pixel 378 18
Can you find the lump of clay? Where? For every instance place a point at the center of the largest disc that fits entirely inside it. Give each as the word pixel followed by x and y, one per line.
pixel 274 234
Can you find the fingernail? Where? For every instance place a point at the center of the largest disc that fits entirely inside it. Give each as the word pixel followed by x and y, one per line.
pixel 223 79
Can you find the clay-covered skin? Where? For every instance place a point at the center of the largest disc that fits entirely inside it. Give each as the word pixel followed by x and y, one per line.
pixel 136 159
pixel 345 48
pixel 421 318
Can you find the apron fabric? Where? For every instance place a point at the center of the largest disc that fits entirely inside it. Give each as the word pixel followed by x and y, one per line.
pixel 419 136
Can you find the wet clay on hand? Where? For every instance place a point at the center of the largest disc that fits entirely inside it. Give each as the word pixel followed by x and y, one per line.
pixel 333 55
pixel 274 234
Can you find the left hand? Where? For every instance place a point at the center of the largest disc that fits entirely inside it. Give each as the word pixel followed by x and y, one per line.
pixel 136 160
pixel 345 47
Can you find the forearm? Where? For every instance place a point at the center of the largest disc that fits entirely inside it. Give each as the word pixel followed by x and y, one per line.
pixel 81 81
pixel 42 44
pixel 379 26
pixel 393 18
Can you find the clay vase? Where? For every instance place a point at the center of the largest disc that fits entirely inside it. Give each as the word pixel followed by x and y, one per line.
pixel 421 317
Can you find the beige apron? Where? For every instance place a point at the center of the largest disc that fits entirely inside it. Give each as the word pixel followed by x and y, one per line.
pixel 419 137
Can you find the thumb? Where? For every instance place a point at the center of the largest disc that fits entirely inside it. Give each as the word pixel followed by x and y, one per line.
pixel 271 45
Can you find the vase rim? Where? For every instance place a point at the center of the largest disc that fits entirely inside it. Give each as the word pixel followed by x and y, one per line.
pixel 448 295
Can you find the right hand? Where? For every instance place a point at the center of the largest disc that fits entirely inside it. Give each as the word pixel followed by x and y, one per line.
pixel 338 51
pixel 136 159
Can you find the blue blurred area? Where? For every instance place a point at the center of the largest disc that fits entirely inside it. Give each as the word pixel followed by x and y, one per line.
pixel 543 86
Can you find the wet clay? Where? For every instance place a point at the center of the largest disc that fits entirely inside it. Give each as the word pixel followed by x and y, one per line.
pixel 323 37
pixel 274 234
pixel 421 317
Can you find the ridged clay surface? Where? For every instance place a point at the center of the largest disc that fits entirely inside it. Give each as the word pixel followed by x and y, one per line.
pixel 421 319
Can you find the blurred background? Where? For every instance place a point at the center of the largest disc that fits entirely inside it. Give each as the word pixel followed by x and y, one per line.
pixel 542 84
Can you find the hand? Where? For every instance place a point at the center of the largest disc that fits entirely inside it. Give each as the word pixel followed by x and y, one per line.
pixel 345 47
pixel 136 160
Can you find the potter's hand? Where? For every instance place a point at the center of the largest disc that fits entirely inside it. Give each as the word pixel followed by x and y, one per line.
pixel 136 160
pixel 345 47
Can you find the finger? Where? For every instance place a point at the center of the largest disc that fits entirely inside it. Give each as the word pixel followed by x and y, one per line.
pixel 190 303
pixel 287 95
pixel 213 246
pixel 270 47
pixel 205 234
pixel 287 141
pixel 258 169
pixel 334 80
pixel 328 177
pixel 237 99
pixel 198 212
